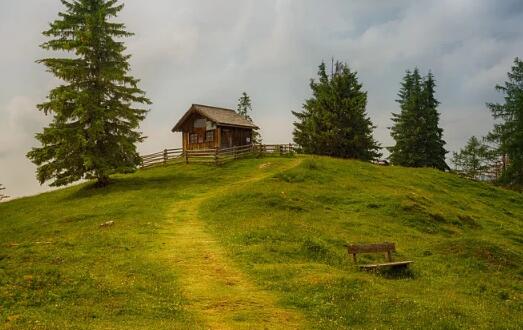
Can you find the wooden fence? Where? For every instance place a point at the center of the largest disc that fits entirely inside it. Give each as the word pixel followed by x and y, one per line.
pixel 214 155
pixel 163 157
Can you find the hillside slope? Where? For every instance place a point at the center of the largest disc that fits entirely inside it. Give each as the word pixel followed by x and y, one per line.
pixel 260 241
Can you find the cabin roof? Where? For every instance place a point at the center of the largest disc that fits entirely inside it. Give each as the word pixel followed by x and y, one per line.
pixel 221 116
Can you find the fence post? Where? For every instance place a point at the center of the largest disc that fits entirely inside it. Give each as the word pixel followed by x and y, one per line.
pixel 186 156
pixel 234 152
pixel 216 151
pixel 280 147
pixel 165 156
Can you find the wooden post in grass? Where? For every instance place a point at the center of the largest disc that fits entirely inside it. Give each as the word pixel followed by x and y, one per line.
pixel 216 151
pixel 2 196
pixel 165 156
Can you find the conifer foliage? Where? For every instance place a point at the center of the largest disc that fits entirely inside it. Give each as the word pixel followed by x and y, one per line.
pixel 243 109
pixel 334 120
pixel 96 111
pixel 474 160
pixel 508 131
pixel 418 137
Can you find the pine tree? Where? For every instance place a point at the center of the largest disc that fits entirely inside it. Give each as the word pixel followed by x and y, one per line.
pixel 405 129
pixel 432 134
pixel 334 121
pixel 418 137
pixel 473 160
pixel 508 131
pixel 243 109
pixel 95 119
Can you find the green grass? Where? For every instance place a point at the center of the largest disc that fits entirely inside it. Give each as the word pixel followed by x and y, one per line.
pixel 283 230
pixel 289 232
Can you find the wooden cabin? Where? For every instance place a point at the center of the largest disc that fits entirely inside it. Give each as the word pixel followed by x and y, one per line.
pixel 205 127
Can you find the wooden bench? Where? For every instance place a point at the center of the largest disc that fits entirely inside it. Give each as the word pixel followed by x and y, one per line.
pixel 386 247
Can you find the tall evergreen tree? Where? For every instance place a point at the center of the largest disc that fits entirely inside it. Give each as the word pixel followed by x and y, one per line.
pixel 95 115
pixel 473 160
pixel 508 131
pixel 406 127
pixel 243 109
pixel 431 133
pixel 334 120
pixel 418 137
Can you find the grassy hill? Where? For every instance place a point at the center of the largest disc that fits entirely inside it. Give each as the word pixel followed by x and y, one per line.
pixel 260 243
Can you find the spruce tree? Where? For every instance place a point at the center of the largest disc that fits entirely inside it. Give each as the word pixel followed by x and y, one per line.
pixel 95 121
pixel 334 120
pixel 473 160
pixel 243 109
pixel 432 134
pixel 508 131
pixel 415 130
pixel 406 128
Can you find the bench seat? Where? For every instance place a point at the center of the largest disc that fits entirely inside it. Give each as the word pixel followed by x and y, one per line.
pixel 386 247
pixel 396 264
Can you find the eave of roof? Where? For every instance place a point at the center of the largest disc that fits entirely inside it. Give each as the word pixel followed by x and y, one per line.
pixel 206 111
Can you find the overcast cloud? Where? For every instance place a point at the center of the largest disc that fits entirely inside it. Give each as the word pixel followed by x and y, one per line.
pixel 209 51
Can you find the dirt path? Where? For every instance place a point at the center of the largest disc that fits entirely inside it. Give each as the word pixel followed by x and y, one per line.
pixel 218 292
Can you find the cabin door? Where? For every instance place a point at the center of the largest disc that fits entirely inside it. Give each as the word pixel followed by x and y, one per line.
pixel 226 138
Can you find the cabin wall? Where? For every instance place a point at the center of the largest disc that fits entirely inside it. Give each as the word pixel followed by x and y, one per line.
pixel 235 136
pixel 196 134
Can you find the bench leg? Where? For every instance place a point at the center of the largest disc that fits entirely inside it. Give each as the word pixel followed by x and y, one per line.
pixel 389 256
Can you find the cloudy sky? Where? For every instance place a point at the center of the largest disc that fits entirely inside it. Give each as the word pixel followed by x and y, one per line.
pixel 209 51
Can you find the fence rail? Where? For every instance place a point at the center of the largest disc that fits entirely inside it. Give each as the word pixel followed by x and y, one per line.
pixel 163 157
pixel 214 155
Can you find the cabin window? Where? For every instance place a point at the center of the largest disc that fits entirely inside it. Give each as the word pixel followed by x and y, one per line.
pixel 193 138
pixel 209 136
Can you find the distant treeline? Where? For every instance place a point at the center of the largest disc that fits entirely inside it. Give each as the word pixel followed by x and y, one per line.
pixel 334 122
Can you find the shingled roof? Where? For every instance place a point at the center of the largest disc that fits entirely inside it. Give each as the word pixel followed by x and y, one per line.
pixel 221 116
